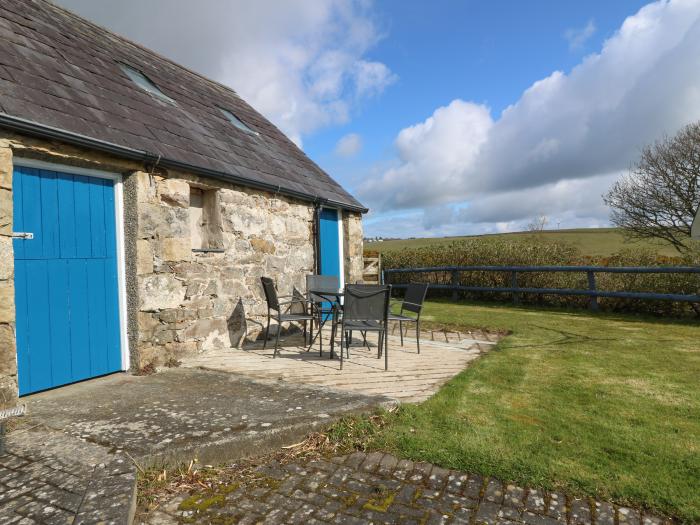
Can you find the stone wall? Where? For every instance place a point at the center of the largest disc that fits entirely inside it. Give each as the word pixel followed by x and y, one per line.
pixel 353 247
pixel 180 301
pixel 191 302
pixel 8 356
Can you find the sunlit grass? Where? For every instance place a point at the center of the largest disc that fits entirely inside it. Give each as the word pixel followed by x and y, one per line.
pixel 592 404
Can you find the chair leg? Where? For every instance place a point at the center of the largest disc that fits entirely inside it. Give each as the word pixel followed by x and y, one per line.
pixel 267 331
pixel 342 331
pixel 401 331
pixel 311 335
pixel 380 344
pixel 386 352
pixel 320 338
pixel 418 335
pixel 364 340
pixel 305 338
pixel 277 339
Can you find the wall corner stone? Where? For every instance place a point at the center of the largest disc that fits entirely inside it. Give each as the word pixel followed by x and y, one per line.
pixel 8 352
pixel 135 260
pixel 353 246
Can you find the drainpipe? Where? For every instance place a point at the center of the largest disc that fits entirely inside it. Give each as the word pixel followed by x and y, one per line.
pixel 317 237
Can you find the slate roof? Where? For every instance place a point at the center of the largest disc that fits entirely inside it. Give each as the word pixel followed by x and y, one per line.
pixel 59 70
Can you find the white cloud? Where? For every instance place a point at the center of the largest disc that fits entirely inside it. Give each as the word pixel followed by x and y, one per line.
pixel 302 63
pixel 372 78
pixel 578 36
pixel 566 203
pixel 432 156
pixel 571 198
pixel 591 122
pixel 349 145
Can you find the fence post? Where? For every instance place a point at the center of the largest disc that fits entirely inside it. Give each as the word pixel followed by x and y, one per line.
pixel 455 282
pixel 593 301
pixel 514 284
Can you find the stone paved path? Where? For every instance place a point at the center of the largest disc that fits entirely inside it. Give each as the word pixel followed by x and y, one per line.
pixel 378 488
pixel 411 377
pixel 50 477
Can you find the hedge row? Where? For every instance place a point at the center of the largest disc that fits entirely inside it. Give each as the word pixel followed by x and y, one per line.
pixel 535 251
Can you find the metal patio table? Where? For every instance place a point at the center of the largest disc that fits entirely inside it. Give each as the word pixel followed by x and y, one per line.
pixel 334 297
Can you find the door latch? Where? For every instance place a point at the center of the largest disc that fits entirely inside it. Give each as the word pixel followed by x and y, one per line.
pixel 23 235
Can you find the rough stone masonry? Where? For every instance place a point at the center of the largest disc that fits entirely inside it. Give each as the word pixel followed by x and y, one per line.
pixel 8 355
pixel 181 301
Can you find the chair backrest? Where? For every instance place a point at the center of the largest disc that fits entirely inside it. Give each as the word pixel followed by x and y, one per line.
pixel 366 302
pixel 415 295
pixel 328 283
pixel 273 302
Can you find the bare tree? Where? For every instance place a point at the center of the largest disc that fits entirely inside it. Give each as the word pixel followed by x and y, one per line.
pixel 538 224
pixel 659 196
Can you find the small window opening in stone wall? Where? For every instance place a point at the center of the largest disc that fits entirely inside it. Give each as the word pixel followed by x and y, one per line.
pixel 205 220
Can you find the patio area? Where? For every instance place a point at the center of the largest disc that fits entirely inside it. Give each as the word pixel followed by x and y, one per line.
pixel 411 377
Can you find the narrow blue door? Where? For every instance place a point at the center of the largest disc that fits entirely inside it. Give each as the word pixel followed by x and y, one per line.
pixel 66 292
pixel 330 243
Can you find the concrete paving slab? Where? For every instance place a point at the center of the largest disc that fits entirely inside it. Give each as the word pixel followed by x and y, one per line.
pixel 411 377
pixel 73 459
pixel 178 414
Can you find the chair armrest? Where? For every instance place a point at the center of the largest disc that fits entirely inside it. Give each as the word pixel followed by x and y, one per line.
pixel 297 300
pixel 413 304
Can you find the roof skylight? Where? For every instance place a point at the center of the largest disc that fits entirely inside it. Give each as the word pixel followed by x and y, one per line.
pixel 145 83
pixel 233 119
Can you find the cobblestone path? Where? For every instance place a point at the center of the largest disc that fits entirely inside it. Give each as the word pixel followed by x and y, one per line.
pixel 48 477
pixel 379 488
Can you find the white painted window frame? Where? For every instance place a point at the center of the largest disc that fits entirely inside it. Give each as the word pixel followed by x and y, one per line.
pixel 341 242
pixel 119 222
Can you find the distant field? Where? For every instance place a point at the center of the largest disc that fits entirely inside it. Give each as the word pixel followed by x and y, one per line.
pixel 591 241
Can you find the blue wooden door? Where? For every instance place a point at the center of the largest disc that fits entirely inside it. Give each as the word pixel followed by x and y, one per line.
pixel 330 243
pixel 66 290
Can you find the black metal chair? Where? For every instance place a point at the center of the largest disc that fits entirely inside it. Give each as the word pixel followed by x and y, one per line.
pixel 275 305
pixel 412 302
pixel 321 308
pixel 365 309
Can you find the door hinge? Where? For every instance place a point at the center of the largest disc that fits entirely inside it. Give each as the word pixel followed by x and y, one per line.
pixel 22 235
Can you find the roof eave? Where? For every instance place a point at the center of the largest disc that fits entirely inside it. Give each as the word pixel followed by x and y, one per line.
pixel 31 128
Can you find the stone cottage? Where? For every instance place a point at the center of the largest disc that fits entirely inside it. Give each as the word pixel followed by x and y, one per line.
pixel 140 203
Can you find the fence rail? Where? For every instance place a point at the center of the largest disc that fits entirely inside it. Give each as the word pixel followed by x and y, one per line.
pixel 592 292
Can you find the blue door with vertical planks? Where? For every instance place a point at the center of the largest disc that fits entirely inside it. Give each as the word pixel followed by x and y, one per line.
pixel 66 287
pixel 330 242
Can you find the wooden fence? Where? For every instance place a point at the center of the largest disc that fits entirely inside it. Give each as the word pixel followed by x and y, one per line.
pixel 372 269
pixel 516 291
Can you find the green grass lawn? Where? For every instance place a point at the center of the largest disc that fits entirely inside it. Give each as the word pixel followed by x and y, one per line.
pixel 590 241
pixel 591 404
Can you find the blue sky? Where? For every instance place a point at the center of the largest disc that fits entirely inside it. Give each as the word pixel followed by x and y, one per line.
pixel 447 117
pixel 447 49
pixel 488 51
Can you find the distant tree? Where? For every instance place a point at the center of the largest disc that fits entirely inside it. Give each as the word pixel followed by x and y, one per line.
pixel 659 196
pixel 538 224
